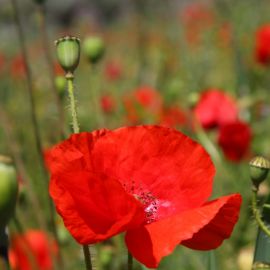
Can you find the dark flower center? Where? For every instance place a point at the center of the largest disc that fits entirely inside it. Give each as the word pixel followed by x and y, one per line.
pixel 146 198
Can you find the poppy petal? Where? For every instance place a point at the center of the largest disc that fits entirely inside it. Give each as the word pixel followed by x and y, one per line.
pixel 72 153
pixel 95 208
pixel 150 243
pixel 162 159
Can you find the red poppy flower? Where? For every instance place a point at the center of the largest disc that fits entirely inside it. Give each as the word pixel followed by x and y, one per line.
pixel 144 103
pixel 173 117
pixel 262 48
pixel 2 62
pixel 215 108
pixel 113 70
pixel 58 70
pixel 107 104
pixel 225 34
pixel 18 68
pixel 234 139
pixel 32 250
pixel 146 180
pixel 196 17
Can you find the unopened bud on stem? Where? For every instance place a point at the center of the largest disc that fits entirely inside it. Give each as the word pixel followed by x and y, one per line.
pixel 259 168
pixel 68 54
pixel 8 191
pixel 93 48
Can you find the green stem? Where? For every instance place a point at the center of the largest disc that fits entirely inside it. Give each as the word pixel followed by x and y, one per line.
pixel 75 123
pixel 12 142
pixel 130 261
pixel 33 108
pixel 87 257
pixel 257 214
pixel 4 247
pixel 95 92
pixel 49 59
pixel 29 80
pixel 76 129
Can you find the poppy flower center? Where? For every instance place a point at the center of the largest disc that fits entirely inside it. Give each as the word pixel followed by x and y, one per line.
pixel 146 198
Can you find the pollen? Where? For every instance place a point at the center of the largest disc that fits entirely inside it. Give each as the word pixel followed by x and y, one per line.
pixel 146 198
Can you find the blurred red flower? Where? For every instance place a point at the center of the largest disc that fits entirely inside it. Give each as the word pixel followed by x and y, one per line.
pixel 144 103
pixel 225 34
pixel 215 108
pixel 107 104
pixel 113 70
pixel 58 70
pixel 18 68
pixel 196 17
pixel 2 62
pixel 234 139
pixel 262 47
pixel 31 250
pixel 146 180
pixel 173 117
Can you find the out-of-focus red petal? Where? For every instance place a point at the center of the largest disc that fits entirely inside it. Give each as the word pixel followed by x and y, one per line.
pixel 150 243
pixel 32 250
pixel 215 108
pixel 262 49
pixel 172 166
pixel 96 207
pixel 235 139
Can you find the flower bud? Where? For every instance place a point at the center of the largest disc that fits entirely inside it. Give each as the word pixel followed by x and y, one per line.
pixel 68 53
pixel 93 48
pixel 259 167
pixel 60 84
pixel 8 191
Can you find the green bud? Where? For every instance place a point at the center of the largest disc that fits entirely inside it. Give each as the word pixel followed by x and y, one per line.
pixel 68 53
pixel 8 191
pixel 94 49
pixel 60 84
pixel 193 99
pixel 259 168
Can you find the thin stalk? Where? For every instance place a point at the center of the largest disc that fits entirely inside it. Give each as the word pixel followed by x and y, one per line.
pixel 4 248
pixel 130 261
pixel 87 257
pixel 261 254
pixel 29 80
pixel 49 59
pixel 95 92
pixel 76 129
pixel 19 164
pixel 211 261
pixel 73 108
pixel 257 214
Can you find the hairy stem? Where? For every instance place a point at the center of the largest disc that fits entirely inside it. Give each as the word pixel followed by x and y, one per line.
pixel 73 108
pixel 76 129
pixel 257 214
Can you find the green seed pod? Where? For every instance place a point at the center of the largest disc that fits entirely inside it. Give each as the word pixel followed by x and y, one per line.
pixel 259 168
pixel 60 84
pixel 93 48
pixel 68 53
pixel 8 191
